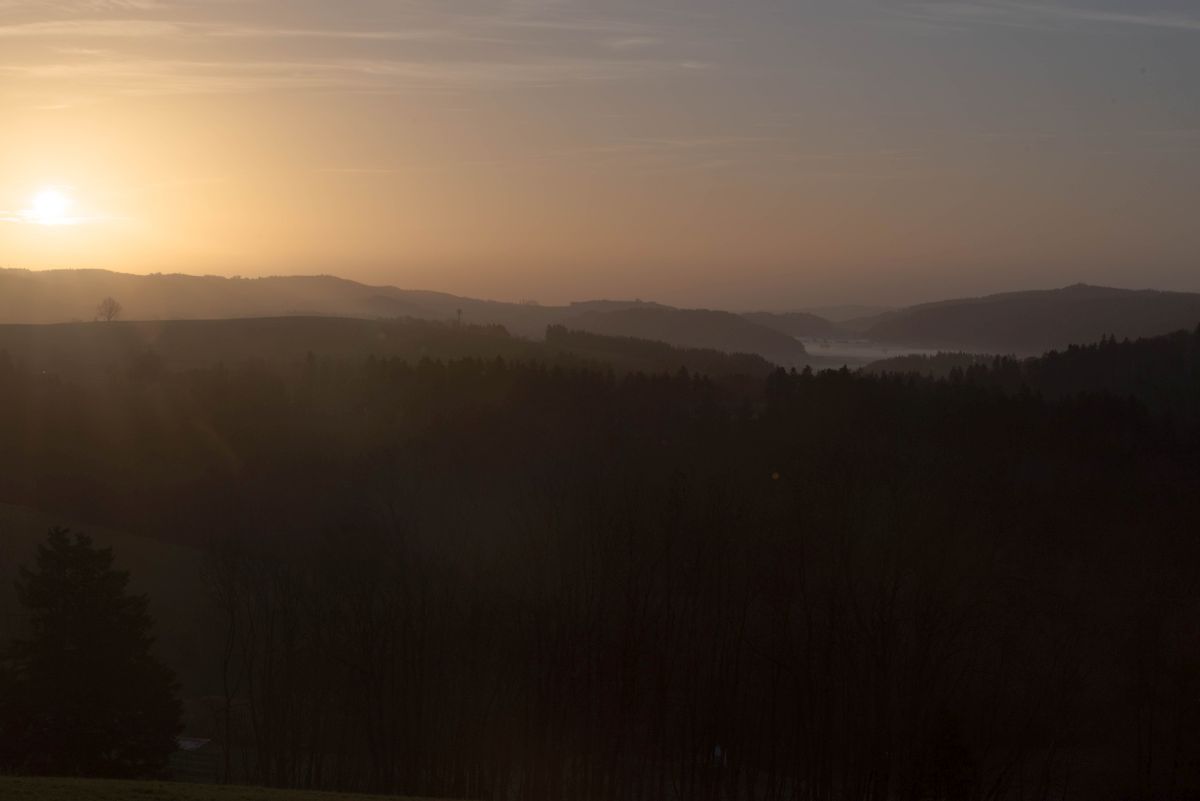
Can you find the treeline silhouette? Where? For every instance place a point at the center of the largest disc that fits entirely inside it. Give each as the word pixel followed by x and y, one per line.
pixel 501 580
pixel 648 355
pixel 1162 373
pixel 85 351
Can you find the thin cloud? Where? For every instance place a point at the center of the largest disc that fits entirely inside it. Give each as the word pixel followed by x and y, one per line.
pixel 156 29
pixel 25 217
pixel 170 76
pixel 81 6
pixel 91 29
pixel 114 51
pixel 1027 15
pixel 632 42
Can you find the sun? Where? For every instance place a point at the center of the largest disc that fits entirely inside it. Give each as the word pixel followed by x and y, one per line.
pixel 50 205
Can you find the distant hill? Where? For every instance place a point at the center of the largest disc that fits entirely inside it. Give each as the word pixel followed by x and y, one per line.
pixel 1029 323
pixel 695 328
pixel 1022 323
pixel 58 296
pixel 55 296
pixel 584 306
pixel 860 326
pixel 794 324
pixel 841 314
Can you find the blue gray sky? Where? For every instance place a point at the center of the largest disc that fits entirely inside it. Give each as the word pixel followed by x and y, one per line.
pixel 743 153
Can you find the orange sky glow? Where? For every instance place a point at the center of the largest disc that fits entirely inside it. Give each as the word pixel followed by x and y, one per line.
pixel 746 155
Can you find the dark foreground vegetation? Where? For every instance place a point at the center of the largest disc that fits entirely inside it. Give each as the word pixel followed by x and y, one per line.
pixel 488 578
pixel 21 789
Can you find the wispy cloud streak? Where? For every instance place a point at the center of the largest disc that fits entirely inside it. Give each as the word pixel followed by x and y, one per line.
pixel 152 47
pixel 1045 15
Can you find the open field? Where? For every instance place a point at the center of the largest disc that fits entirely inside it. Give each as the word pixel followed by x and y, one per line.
pixel 14 789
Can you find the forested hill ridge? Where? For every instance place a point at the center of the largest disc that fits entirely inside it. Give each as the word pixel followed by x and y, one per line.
pixel 1022 323
pixel 56 296
pixel 929 365
pixel 796 324
pixel 1031 323
pixel 82 351
pixel 1163 372
pixel 696 328
pixel 577 583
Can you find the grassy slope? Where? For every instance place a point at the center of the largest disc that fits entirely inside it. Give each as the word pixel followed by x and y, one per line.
pixel 16 789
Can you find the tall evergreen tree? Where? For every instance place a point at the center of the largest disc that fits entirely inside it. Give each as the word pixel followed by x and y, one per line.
pixel 87 696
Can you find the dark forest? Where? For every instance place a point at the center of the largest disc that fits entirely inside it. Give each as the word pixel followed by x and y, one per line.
pixel 509 579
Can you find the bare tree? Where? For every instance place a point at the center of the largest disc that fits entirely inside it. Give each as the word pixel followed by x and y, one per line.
pixel 108 310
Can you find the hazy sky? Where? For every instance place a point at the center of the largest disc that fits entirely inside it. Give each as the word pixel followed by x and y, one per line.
pixel 740 153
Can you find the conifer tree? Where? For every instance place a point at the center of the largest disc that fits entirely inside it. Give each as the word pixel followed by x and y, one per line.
pixel 86 695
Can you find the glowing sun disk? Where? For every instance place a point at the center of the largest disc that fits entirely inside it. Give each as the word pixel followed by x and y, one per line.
pixel 50 206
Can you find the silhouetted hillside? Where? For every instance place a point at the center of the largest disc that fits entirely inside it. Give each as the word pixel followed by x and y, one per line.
pixel 695 328
pixel 654 357
pixel 1162 373
pixel 58 296
pixel 583 306
pixel 848 312
pixel 55 296
pixel 1029 323
pixel 148 348
pixel 939 365
pixel 794 324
